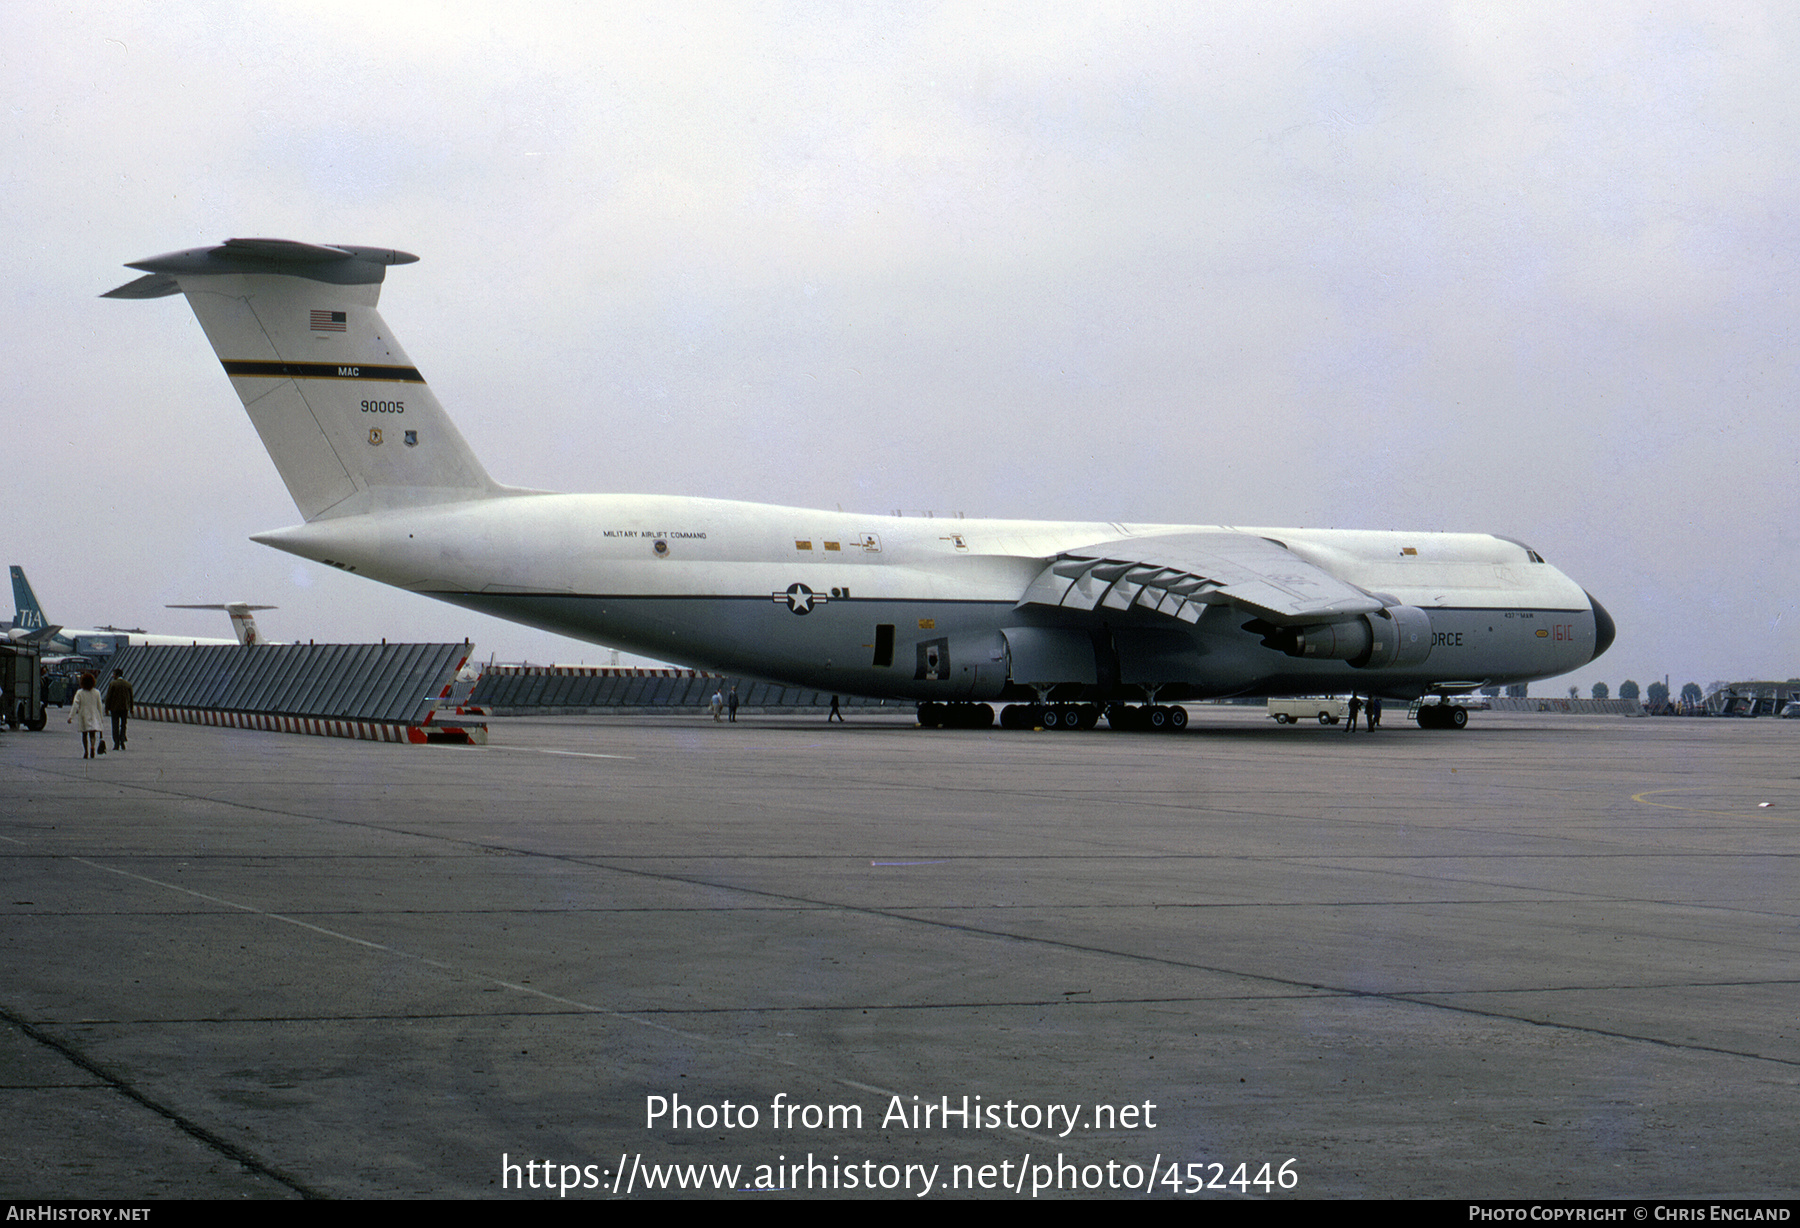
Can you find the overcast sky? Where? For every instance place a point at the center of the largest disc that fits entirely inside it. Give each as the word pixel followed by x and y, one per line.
pixel 1521 269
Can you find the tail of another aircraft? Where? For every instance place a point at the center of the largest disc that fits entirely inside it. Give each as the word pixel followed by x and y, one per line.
pixel 29 616
pixel 348 420
pixel 243 621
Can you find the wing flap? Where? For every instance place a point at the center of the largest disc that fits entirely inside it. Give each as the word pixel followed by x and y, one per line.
pixel 1179 574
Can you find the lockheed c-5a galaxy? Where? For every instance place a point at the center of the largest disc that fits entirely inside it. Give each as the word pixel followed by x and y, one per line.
pixel 1066 620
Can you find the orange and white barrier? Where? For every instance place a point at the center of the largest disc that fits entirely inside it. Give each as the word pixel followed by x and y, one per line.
pixel 325 727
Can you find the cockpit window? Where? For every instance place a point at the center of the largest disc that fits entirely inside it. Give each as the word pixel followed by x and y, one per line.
pixel 1531 554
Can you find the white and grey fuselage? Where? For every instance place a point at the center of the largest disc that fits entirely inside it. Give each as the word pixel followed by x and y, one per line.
pixel 928 609
pixel 942 609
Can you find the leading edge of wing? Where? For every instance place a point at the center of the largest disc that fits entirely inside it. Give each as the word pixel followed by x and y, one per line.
pixel 1179 574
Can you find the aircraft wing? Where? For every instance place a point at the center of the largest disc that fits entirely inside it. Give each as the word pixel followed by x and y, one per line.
pixel 1179 574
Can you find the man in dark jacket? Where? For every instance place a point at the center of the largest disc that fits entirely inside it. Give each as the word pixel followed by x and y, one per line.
pixel 118 705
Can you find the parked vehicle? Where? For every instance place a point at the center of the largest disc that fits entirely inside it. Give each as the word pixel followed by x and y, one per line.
pixel 21 701
pixel 1326 709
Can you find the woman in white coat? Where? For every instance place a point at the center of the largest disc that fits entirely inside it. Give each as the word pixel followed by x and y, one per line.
pixel 85 711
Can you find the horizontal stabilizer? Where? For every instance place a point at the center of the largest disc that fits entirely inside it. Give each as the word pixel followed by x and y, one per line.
pixel 150 285
pixel 339 264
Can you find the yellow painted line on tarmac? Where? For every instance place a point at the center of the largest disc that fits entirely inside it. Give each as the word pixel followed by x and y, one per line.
pixel 1644 799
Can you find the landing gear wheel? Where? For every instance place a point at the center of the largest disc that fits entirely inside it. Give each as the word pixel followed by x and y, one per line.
pixel 1443 716
pixel 1156 719
pixel 1177 719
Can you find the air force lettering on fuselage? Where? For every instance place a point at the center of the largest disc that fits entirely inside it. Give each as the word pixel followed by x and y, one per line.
pixel 994 610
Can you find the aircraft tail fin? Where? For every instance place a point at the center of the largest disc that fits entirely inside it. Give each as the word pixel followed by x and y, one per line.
pixel 30 615
pixel 243 621
pixel 348 420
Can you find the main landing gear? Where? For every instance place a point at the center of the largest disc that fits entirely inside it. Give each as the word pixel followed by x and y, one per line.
pixel 1049 716
pixel 1137 718
pixel 1147 718
pixel 934 715
pixel 1442 716
pixel 1134 718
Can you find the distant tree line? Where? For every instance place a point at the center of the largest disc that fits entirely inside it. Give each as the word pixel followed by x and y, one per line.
pixel 1656 694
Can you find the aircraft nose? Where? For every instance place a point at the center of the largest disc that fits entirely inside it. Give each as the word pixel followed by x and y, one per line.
pixel 1604 629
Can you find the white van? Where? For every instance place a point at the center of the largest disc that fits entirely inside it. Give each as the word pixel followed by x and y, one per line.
pixel 1326 709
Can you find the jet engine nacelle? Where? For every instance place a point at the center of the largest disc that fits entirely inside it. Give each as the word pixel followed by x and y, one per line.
pixel 1398 637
